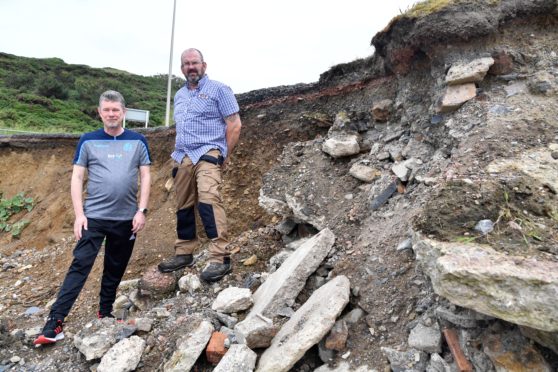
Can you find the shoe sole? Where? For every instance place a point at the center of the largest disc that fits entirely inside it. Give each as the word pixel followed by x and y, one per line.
pixel 42 340
pixel 215 278
pixel 175 269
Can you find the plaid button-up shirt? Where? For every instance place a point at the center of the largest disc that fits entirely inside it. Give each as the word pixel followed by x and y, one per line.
pixel 200 115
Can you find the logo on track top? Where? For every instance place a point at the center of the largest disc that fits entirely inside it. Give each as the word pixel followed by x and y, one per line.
pixel 128 147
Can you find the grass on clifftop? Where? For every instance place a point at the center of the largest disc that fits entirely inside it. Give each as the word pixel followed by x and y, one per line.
pixel 50 96
pixel 424 8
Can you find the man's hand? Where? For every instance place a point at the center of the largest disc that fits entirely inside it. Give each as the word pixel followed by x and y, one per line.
pixel 138 223
pixel 80 224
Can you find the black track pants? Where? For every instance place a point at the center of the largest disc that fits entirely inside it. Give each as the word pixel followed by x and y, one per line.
pixel 118 249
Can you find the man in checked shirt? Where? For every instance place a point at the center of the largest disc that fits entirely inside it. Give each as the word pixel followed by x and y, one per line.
pixel 207 130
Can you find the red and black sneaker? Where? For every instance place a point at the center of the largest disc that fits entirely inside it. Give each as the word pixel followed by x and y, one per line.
pixel 52 332
pixel 101 316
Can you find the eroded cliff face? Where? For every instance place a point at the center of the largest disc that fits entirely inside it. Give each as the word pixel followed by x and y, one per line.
pixel 393 154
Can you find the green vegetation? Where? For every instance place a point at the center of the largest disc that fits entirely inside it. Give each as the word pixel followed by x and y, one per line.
pixel 9 207
pixel 50 96
pixel 424 8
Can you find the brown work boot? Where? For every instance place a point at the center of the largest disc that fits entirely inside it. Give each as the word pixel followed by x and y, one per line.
pixel 176 263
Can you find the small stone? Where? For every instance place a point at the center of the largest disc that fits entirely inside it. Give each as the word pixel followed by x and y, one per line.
pixel 250 260
pixel 484 226
pixel 405 244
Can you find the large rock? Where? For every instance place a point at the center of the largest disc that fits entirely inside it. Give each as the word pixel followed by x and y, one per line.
pixel 307 326
pixel 517 289
pixel 232 300
pixel 189 348
pixel 157 284
pixel 124 356
pixel 282 287
pixel 341 145
pixel 239 358
pixel 471 72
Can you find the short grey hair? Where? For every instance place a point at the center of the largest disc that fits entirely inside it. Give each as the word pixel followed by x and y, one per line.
pixel 112 96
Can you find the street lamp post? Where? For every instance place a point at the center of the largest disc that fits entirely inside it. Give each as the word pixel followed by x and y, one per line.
pixel 167 114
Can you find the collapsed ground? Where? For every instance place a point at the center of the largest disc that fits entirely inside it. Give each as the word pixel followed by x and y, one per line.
pixel 391 289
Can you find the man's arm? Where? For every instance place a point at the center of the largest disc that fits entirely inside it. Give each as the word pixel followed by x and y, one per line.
pixel 76 190
pixel 232 132
pixel 138 222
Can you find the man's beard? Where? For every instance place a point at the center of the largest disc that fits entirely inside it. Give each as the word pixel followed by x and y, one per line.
pixel 194 79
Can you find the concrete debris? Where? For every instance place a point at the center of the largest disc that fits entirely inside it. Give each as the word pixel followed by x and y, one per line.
pixel 410 360
pixel 341 145
pixel 233 300
pixel 239 358
pixel 282 287
pixel 189 283
pixel 428 339
pixel 96 338
pixel 307 327
pixel 124 356
pixel 256 331
pixel 189 348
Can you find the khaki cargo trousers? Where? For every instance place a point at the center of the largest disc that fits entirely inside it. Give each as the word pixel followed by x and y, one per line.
pixel 199 186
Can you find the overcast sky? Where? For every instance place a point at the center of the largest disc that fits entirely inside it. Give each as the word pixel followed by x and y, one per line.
pixel 247 44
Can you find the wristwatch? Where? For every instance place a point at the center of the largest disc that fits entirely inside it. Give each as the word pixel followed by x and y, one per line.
pixel 143 210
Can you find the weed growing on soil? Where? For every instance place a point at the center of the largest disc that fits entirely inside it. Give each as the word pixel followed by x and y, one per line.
pixel 517 221
pixel 9 207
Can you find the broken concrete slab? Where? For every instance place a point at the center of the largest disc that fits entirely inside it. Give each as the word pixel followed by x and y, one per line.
pixel 189 348
pixel 282 286
pixel 124 356
pixel 97 337
pixel 239 358
pixel 307 327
